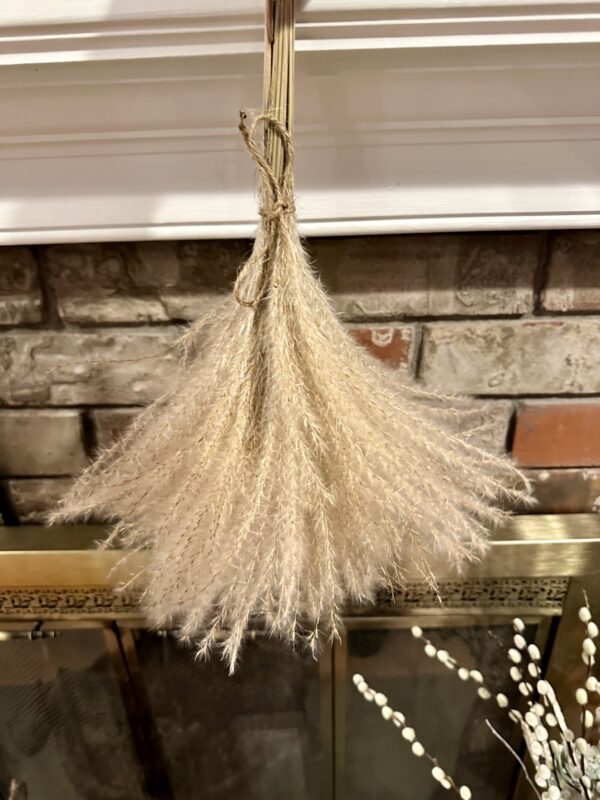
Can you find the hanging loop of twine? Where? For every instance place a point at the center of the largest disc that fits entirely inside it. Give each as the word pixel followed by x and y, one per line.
pixel 277 198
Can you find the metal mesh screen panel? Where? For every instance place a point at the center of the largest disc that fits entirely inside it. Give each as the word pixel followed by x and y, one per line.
pixel 252 736
pixel 63 729
pixel 449 718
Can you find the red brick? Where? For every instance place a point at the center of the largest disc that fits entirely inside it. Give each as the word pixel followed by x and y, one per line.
pixel 558 435
pixel 37 442
pixel 565 491
pixel 34 498
pixel 574 272
pixel 392 345
pixel 116 366
pixel 110 423
pixel 513 357
pixel 20 296
pixel 384 277
pixel 143 281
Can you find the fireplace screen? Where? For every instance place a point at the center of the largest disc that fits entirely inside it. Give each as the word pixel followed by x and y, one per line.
pixel 64 728
pixel 93 706
pixel 253 736
pixel 114 712
pixel 124 714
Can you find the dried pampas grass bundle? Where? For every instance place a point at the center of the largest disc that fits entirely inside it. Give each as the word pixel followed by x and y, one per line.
pixel 286 472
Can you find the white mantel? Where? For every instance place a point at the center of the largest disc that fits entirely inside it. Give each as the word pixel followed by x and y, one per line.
pixel 118 117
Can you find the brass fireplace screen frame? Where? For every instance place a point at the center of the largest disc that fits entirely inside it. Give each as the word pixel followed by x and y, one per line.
pixel 538 568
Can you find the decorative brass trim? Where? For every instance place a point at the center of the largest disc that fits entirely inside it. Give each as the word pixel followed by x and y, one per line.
pixel 489 593
pixel 530 545
pixel 47 602
pixel 52 573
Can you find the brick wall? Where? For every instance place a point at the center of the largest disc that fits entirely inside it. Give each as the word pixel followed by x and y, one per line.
pixel 511 319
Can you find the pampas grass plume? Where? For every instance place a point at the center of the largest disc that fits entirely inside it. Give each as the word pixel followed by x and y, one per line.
pixel 285 472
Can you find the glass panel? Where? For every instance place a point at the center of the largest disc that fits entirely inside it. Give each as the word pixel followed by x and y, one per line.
pixel 446 713
pixel 63 730
pixel 252 736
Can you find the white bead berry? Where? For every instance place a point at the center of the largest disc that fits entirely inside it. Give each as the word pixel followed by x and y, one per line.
pixel 418 749
pixel 525 688
pixel 502 700
pixel 443 656
pixel 520 641
pixel 409 734
pixel 515 673
pixel 533 669
pixel 362 687
pixel 369 695
pixel 476 676
pixel 518 625
pixel 592 684
pixel 515 656
pixel 438 773
pixel 588 718
pixel 551 720
pixel 543 687
pixel 592 629
pixel 465 793
pixel 540 781
pixel 588 647
pixel 430 651
pixel 584 614
pixel 357 678
pixel 541 734
pixel 534 652
pixel 484 693
pixel 398 719
pixel 463 674
pixel 387 712
pixel 581 696
pixel 544 772
pixel 532 719
pixel 581 745
pixel 416 631
pixel 380 699
pixel 535 748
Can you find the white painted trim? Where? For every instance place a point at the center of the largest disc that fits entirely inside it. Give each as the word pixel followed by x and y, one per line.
pixel 55 31
pixel 307 228
pixel 118 118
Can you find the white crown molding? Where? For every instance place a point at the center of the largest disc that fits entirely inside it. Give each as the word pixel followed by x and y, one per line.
pixel 84 30
pixel 118 117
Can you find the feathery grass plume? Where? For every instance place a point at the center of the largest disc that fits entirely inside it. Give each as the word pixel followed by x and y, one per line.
pixel 285 471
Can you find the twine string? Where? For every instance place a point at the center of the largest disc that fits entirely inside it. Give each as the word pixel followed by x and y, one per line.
pixel 277 202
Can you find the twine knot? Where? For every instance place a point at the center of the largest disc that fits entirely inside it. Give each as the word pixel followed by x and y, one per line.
pixel 277 197
pixel 277 210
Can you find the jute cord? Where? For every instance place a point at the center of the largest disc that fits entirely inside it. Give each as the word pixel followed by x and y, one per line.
pixel 277 201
